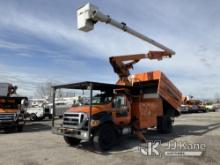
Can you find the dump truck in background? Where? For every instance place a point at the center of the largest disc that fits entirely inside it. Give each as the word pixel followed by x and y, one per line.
pixel 135 103
pixel 191 105
pixel 12 108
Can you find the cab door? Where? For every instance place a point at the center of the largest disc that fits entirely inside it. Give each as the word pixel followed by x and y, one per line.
pixel 121 110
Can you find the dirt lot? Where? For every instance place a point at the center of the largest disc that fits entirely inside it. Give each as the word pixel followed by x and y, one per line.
pixel 37 145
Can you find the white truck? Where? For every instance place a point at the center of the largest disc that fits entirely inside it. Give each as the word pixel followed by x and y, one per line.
pixel 210 107
pixel 41 111
pixel 36 113
pixel 61 107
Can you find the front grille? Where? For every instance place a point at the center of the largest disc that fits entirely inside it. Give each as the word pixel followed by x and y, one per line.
pixel 74 120
pixel 6 116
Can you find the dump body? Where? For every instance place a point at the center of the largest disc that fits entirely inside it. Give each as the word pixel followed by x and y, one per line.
pixel 146 111
pixel 159 86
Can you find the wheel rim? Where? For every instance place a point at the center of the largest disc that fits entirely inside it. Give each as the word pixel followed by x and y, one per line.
pixel 32 117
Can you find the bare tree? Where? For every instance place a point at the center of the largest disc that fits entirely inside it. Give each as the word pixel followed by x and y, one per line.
pixel 44 90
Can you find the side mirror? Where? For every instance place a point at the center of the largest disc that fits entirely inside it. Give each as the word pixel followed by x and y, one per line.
pixel 24 103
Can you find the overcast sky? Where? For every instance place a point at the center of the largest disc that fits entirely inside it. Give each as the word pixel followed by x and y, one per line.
pixel 39 42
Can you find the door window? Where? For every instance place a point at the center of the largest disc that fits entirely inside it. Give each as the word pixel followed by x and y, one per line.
pixel 121 107
pixel 119 101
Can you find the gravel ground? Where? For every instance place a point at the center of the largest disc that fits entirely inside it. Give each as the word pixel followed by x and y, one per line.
pixel 37 145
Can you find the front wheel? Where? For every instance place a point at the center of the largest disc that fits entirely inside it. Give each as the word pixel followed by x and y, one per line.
pixel 71 140
pixel 104 137
pixel 33 117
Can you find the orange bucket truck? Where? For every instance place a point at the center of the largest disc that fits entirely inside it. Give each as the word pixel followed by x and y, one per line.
pixel 135 103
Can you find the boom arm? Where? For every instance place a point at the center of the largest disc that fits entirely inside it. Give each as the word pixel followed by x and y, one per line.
pixel 89 14
pixel 11 90
pixel 122 68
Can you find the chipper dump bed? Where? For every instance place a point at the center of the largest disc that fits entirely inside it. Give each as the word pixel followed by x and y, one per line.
pixel 157 85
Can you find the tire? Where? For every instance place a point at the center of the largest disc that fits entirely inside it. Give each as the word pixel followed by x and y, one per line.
pixel 104 138
pixel 164 124
pixel 33 117
pixel 20 128
pixel 71 140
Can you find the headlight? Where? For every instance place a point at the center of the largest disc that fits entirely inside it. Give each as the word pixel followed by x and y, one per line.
pixel 94 123
pixel 85 134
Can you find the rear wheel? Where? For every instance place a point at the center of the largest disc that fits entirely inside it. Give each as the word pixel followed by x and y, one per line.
pixel 71 140
pixel 164 124
pixel 104 137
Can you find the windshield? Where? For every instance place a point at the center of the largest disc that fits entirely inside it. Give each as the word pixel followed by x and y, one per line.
pixel 96 100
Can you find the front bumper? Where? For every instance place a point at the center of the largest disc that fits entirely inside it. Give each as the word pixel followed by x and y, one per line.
pixel 10 120
pixel 47 114
pixel 7 123
pixel 79 134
